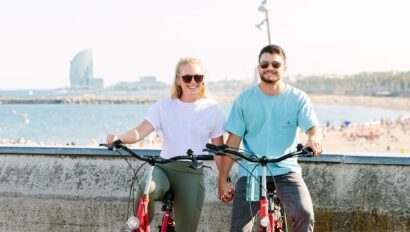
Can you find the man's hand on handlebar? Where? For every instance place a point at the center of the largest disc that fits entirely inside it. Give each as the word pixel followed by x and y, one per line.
pixel 316 146
pixel 315 140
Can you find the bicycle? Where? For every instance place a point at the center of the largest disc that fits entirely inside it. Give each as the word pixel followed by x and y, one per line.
pixel 139 222
pixel 271 211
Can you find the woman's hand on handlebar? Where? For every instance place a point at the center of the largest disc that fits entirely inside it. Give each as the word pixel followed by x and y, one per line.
pixel 225 189
pixel 111 138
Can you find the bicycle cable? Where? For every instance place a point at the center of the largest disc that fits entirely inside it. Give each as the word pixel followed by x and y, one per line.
pixel 133 179
pixel 132 189
pixel 243 166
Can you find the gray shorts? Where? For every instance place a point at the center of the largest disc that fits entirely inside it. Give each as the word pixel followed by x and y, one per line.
pixel 292 192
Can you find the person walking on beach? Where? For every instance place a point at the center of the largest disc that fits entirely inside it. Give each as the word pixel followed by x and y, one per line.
pixel 187 120
pixel 267 117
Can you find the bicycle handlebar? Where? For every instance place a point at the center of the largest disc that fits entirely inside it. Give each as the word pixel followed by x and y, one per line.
pixel 152 160
pixel 223 149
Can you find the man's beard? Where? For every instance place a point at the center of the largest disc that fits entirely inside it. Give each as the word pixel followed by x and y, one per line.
pixel 268 81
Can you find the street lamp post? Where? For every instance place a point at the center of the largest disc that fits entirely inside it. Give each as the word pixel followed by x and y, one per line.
pixel 264 8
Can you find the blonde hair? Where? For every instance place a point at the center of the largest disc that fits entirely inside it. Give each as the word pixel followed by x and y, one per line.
pixel 176 91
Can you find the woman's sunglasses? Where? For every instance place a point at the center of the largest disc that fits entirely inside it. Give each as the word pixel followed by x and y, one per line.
pixel 188 78
pixel 265 64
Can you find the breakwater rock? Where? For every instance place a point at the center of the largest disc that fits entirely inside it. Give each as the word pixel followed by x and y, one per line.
pixel 78 100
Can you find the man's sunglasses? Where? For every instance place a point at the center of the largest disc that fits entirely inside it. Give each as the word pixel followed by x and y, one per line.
pixel 265 64
pixel 188 78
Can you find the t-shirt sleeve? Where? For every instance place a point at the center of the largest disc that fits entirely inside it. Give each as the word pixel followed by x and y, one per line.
pixel 219 123
pixel 307 116
pixel 236 123
pixel 153 116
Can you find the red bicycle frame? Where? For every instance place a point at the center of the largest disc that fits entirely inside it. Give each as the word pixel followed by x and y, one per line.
pixel 268 220
pixel 167 221
pixel 142 217
pixel 141 223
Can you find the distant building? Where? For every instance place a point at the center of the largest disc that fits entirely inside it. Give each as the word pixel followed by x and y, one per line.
pixel 145 83
pixel 82 72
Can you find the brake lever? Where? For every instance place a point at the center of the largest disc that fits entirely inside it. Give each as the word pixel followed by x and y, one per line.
pixel 110 148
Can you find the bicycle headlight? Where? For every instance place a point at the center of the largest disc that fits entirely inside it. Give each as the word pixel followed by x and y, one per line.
pixel 133 223
pixel 265 221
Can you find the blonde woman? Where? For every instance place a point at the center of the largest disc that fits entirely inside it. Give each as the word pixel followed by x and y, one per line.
pixel 187 120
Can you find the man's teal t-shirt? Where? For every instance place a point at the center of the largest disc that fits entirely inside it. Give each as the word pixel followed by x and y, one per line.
pixel 269 125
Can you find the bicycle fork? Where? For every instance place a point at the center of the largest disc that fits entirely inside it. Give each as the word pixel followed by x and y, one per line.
pixel 275 214
pixel 140 223
pixel 265 223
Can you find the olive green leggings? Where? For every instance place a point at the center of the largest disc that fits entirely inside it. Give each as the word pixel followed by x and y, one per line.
pixel 188 187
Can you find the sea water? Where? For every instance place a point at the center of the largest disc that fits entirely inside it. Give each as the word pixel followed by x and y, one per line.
pixel 81 124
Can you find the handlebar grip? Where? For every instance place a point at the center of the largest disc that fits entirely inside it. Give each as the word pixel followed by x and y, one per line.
pixel 308 152
pixel 212 147
pixel 107 146
pixel 216 148
pixel 308 149
pixel 117 143
pixel 204 157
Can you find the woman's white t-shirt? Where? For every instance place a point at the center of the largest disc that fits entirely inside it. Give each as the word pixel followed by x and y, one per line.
pixel 186 125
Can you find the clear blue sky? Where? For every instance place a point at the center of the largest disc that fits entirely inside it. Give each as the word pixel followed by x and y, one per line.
pixel 133 38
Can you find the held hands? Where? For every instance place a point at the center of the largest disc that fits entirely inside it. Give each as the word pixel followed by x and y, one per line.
pixel 225 190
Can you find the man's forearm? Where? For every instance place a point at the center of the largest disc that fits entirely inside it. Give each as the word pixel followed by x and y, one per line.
pixel 314 133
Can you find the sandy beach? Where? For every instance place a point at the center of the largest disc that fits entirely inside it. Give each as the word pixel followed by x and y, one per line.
pixel 382 137
pixel 386 137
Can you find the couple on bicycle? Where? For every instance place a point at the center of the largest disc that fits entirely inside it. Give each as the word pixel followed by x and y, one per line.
pixel 266 117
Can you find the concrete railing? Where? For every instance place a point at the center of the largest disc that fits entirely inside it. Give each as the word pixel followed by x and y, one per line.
pixel 87 189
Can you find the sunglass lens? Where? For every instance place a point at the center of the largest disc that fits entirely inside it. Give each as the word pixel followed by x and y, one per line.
pixel 187 78
pixel 198 78
pixel 264 64
pixel 276 65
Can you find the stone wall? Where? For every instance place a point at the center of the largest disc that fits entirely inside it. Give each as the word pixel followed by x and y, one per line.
pixel 87 189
